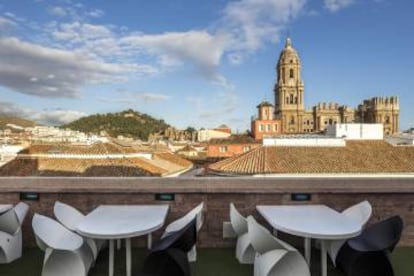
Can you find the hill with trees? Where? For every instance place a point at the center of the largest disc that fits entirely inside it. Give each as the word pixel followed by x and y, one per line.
pixel 128 123
pixel 6 119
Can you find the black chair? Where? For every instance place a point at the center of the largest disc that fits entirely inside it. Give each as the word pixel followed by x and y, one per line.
pixel 368 253
pixel 168 256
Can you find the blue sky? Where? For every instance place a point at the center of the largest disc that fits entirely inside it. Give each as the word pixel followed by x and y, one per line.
pixel 198 63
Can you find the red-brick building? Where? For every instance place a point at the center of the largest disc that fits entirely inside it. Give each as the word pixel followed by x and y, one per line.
pixel 235 145
pixel 265 124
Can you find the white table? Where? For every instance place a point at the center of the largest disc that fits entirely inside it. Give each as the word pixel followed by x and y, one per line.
pixel 5 207
pixel 112 222
pixel 311 222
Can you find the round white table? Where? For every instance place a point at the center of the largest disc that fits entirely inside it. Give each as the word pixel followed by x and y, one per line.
pixel 311 222
pixel 113 222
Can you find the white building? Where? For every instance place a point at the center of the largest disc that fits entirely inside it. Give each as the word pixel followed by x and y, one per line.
pixel 205 135
pixel 304 140
pixel 356 131
pixel 401 139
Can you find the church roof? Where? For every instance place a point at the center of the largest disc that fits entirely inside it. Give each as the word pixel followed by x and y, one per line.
pixel 264 103
pixel 288 51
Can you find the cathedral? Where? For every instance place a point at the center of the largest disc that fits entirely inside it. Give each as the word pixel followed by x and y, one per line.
pixel 289 115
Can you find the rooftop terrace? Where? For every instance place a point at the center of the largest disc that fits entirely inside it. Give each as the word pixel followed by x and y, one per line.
pixel 388 195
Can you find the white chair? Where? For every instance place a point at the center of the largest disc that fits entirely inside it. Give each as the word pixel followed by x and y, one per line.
pixel 11 232
pixel 183 221
pixel 70 218
pixel 360 212
pixel 66 253
pixel 274 257
pixel 245 253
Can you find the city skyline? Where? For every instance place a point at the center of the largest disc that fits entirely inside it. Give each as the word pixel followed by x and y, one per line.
pixel 198 65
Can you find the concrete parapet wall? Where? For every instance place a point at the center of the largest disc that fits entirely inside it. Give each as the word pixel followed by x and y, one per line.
pixel 389 195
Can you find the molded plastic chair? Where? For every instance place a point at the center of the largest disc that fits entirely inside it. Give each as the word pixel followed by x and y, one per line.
pixel 168 257
pixel 274 257
pixel 196 212
pixel 11 233
pixel 66 253
pixel 70 218
pixel 360 212
pixel 245 253
pixel 368 253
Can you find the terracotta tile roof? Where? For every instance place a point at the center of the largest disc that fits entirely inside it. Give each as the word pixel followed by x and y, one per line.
pixel 173 158
pixel 80 167
pixel 100 148
pixel 355 157
pixel 234 139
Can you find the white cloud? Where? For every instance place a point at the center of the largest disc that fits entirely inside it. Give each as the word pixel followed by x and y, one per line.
pixel 27 68
pixel 11 109
pixel 151 97
pixel 336 5
pixel 86 53
pixel 96 13
pixel 253 22
pixel 57 11
pixel 127 98
pixel 199 48
pixel 57 116
pixel 6 23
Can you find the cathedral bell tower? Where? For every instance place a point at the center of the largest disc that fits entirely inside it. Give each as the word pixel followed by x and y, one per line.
pixel 289 104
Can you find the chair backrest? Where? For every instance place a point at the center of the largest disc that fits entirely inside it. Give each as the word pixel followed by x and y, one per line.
pixel 196 212
pixel 183 239
pixel 360 212
pixel 21 210
pixel 262 240
pixel 238 222
pixel 9 222
pixel 51 233
pixel 67 215
pixel 380 236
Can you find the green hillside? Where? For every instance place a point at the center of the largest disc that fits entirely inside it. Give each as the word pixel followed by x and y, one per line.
pixel 128 123
pixel 6 119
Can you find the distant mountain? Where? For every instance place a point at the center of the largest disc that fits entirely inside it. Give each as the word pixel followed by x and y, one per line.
pixel 6 119
pixel 128 123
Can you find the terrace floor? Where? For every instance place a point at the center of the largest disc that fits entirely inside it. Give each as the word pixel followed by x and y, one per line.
pixel 217 262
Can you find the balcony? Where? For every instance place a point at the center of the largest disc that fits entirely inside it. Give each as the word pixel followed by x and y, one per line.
pixel 388 195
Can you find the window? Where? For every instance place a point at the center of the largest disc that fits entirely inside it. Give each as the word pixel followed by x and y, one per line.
pixel 261 127
pixel 223 149
pixel 326 122
pixel 330 121
pixel 292 120
pixel 287 100
pixel 246 148
pixel 291 99
pixel 291 73
pixel 275 127
pixel 268 127
pixel 387 120
pixel 296 100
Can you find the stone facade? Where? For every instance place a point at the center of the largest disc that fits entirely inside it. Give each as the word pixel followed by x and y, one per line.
pixel 289 103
